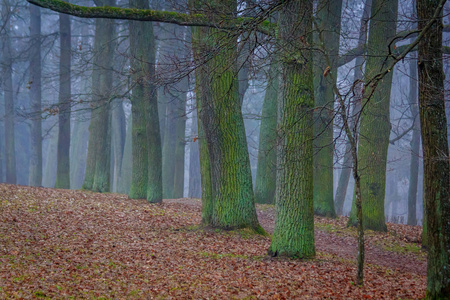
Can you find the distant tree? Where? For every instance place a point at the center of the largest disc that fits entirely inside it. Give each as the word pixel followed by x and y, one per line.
pixel 64 104
pixel 97 176
pixel 35 176
pixel 8 94
pixel 341 190
pixel 265 185
pixel 146 139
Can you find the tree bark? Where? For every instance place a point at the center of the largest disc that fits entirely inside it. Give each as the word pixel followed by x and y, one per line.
pixel 293 235
pixel 435 149
pixel 375 123
pixel 328 25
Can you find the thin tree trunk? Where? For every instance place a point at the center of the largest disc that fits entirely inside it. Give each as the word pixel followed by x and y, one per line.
pixel 35 176
pixel 118 139
pixel 195 190
pixel 63 149
pixel 415 142
pixel 7 85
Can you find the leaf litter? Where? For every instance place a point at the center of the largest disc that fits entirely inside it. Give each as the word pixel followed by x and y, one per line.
pixel 60 244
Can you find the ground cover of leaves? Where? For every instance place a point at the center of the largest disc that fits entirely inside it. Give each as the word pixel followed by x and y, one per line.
pixel 64 244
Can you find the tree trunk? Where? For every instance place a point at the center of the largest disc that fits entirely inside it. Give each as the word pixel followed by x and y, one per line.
pixel 35 176
pixel 265 184
pixel 232 204
pixel 8 94
pixel 293 235
pixel 195 190
pixel 63 149
pixel 415 142
pixel 344 177
pixel 329 24
pixel 435 149
pixel 127 162
pixel 375 123
pixel 118 139
pixel 146 137
pixel 98 169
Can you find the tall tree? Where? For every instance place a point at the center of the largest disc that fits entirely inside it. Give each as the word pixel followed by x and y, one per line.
pixel 8 94
pixel 146 139
pixel 375 123
pixel 293 234
pixel 231 204
pixel 63 149
pixel 433 123
pixel 35 176
pixel 328 25
pixel 265 185
pixel 97 176
pixel 344 177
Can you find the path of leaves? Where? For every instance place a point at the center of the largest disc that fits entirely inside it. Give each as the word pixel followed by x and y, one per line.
pixel 63 244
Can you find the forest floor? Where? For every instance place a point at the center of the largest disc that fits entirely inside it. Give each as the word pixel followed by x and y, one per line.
pixel 66 244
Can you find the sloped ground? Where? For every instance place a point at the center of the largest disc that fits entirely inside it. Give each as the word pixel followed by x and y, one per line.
pixel 74 244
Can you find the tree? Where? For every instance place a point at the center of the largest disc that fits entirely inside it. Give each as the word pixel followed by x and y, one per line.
pixel 232 202
pixel 293 234
pixel 435 147
pixel 146 140
pixel 375 123
pixel 328 23
pixel 7 86
pixel 344 177
pixel 35 176
pixel 64 107
pixel 265 185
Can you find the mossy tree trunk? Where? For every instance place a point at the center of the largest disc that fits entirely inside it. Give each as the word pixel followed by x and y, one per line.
pixel 97 177
pixel 293 234
pixel 328 25
pixel 63 149
pixel 232 203
pixel 8 94
pixel 265 184
pixel 435 149
pixel 35 176
pixel 146 137
pixel 200 47
pixel 375 123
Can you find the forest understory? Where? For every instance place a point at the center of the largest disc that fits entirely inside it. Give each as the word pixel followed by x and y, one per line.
pixel 64 244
